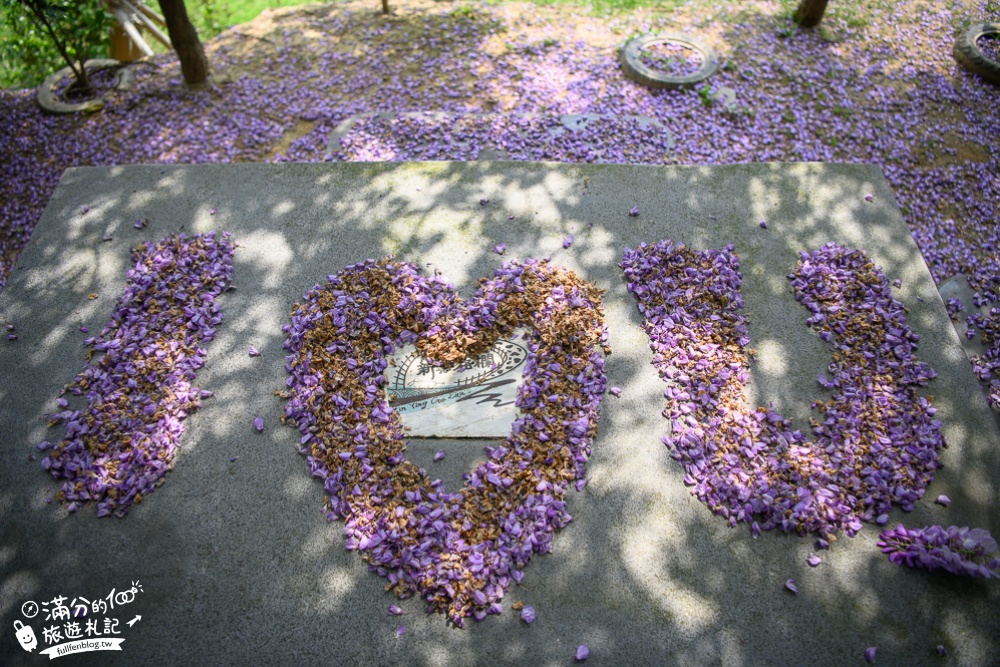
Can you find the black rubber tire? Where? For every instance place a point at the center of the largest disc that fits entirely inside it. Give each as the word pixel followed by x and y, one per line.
pixel 971 57
pixel 647 76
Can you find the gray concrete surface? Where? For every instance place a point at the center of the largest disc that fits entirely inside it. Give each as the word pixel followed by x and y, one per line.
pixel 237 562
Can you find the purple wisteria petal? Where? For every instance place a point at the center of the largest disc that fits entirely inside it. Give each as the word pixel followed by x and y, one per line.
pixel 528 614
pixel 763 224
pixel 963 551
pixel 582 652
pixel 395 610
pixel 814 560
pixel 500 248
pixel 258 424
pixel 400 631
pixel 439 456
pixel 253 352
pixel 790 585
pixel 870 654
pixel 568 241
pixel 943 500
pixel 634 212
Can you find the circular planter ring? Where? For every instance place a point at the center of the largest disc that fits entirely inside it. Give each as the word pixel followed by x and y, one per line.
pixel 639 72
pixel 972 58
pixel 48 100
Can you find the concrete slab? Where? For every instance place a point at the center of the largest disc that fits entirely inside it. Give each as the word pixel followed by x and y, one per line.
pixel 236 560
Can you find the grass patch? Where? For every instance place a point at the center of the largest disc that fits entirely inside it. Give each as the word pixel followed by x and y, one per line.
pixel 213 16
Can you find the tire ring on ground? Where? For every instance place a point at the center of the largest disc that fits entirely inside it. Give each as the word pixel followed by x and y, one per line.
pixel 636 70
pixel 971 57
pixel 48 100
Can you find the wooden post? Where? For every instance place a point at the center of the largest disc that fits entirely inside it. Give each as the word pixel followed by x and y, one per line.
pixel 121 47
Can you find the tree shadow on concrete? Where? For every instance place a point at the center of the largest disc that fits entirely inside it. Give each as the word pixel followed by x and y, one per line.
pixel 237 561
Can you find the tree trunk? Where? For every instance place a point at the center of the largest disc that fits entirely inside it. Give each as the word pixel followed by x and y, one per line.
pixel 385 6
pixel 810 13
pixel 184 38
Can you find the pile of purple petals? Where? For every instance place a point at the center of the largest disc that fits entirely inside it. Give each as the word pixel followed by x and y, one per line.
pixel 101 80
pixel 459 551
pixel 877 443
pixel 987 365
pixel 964 551
pixel 117 449
pixel 450 136
pixel 671 59
pixel 989 45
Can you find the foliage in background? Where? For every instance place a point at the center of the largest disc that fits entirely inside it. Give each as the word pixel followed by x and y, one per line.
pixel 27 51
pixel 209 18
pixel 213 16
pixel 27 56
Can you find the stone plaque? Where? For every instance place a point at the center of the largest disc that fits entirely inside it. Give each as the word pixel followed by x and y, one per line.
pixel 474 399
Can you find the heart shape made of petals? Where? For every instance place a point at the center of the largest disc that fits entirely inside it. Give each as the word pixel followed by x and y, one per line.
pixel 458 550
